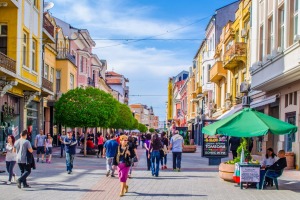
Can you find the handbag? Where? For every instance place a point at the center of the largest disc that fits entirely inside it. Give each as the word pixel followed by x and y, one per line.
pixel 162 153
pixel 127 162
pixel 135 159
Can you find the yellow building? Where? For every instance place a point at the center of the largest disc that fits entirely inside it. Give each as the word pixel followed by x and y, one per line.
pixel 230 73
pixel 20 65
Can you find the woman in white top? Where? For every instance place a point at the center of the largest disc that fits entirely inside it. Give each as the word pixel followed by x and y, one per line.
pixel 48 148
pixel 11 158
pixel 269 158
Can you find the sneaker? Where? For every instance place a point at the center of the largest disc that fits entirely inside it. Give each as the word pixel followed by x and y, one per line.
pixel 37 160
pixel 14 178
pixel 42 161
pixel 69 172
pixel 107 173
pixel 178 169
pixel 18 184
pixel 162 168
pixel 112 175
pixel 97 156
pixel 26 186
pixel 165 167
pixel 8 183
pixel 49 161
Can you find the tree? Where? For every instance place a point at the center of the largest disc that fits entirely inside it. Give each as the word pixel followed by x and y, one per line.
pixel 84 108
pixel 151 130
pixel 124 117
pixel 142 128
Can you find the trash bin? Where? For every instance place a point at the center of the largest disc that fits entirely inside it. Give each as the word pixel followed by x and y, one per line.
pixel 290 160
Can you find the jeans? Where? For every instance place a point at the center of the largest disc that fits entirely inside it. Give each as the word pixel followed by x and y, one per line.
pixel 155 158
pixel 100 149
pixel 163 160
pixel 177 160
pixel 69 161
pixel 62 147
pixel 109 165
pixel 132 163
pixel 10 169
pixel 25 171
pixel 148 161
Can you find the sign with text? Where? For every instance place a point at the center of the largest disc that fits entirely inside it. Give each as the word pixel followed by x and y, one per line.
pixel 214 146
pixel 249 173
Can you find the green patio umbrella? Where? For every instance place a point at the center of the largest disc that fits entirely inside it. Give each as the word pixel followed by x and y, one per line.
pixel 249 123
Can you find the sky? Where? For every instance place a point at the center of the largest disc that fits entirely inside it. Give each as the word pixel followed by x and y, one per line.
pixel 147 41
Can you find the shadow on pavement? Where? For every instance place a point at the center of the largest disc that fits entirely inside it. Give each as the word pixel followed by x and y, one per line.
pixel 164 195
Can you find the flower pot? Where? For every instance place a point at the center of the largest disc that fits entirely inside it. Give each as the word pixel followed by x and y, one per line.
pixel 290 160
pixel 226 171
pixel 189 149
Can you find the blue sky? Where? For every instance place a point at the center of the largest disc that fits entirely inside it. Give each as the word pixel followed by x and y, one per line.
pixel 166 33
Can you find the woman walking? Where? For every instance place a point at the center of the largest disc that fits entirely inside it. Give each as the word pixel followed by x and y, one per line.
pixel 165 142
pixel 100 139
pixel 147 147
pixel 132 146
pixel 155 146
pixel 11 158
pixel 48 142
pixel 122 161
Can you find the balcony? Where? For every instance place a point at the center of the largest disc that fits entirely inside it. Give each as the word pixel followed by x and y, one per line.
pixel 63 54
pixel 217 72
pixel 7 63
pixel 236 55
pixel 90 82
pixel 46 84
pixel 48 30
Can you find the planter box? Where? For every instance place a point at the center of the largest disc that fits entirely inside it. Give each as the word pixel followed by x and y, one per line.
pixel 226 171
pixel 189 149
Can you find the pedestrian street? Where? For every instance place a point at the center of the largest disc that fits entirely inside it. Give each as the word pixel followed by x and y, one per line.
pixel 197 180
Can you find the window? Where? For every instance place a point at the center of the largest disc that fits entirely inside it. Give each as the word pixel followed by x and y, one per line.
pixel 71 81
pixel 46 71
pixel 24 48
pixel 81 64
pixel 281 27
pixel 237 36
pixel 296 5
pixel 270 36
pixel 261 43
pixel 33 56
pixel 35 3
pixel 51 74
pixel 3 39
pixel 58 75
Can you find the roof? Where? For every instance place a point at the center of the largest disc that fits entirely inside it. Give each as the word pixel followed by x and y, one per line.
pixel 111 73
pixel 113 81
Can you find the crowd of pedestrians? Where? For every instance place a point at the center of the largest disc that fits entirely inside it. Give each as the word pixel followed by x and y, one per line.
pixel 119 150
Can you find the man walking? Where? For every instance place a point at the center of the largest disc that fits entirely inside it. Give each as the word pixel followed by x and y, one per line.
pixel 40 143
pixel 176 145
pixel 22 146
pixel 62 145
pixel 110 150
pixel 70 148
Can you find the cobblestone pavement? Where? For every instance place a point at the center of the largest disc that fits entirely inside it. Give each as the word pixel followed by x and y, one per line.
pixel 197 180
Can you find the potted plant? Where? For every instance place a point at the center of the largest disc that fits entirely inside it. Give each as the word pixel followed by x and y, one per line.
pixel 226 169
pixel 188 148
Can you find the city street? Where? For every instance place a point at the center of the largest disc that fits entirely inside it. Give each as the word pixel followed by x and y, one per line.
pixel 88 181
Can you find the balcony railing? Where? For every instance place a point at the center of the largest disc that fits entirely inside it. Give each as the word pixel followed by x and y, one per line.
pixel 48 26
pixel 90 82
pixel 217 72
pixel 47 84
pixel 235 54
pixel 8 63
pixel 63 53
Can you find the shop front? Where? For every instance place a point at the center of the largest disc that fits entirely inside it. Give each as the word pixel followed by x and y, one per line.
pixel 9 118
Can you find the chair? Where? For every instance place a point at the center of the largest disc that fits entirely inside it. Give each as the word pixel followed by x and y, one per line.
pixel 272 174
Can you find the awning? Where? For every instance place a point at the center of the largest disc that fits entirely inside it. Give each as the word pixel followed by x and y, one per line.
pixel 265 101
pixel 233 110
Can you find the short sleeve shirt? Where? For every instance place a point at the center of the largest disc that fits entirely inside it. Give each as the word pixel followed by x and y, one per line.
pixel 40 140
pixel 22 146
pixel 176 142
pixel 111 147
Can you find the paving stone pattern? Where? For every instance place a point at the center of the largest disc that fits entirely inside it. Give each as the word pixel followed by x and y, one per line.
pixel 197 180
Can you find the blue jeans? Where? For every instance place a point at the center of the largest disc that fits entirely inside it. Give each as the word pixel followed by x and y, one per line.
pixel 109 165
pixel 62 148
pixel 177 160
pixel 163 160
pixel 69 161
pixel 155 158
pixel 10 169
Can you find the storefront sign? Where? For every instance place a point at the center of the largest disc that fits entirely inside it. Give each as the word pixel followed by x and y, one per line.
pixel 249 173
pixel 214 146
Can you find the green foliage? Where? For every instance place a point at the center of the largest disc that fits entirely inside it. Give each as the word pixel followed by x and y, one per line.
pixel 134 124
pixel 124 118
pixel 186 139
pixel 142 128
pixel 243 145
pixel 151 130
pixel 88 107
